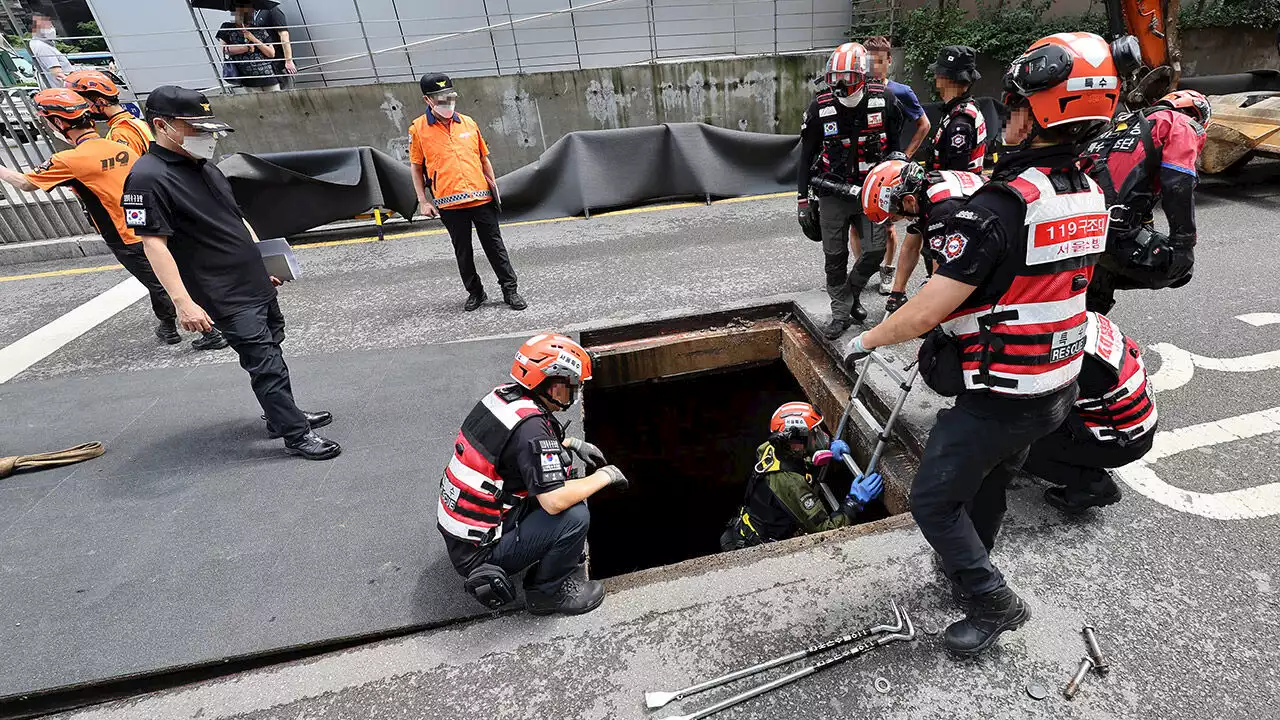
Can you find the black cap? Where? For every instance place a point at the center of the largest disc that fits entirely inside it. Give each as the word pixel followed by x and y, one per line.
pixel 436 84
pixel 171 101
pixel 957 62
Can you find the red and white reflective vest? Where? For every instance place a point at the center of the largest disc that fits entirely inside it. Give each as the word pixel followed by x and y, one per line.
pixel 472 501
pixel 1125 412
pixel 951 185
pixel 1031 341
pixel 979 151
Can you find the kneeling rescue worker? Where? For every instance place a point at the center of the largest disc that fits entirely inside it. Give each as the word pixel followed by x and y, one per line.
pixel 1113 424
pixel 781 502
pixel 1005 313
pixel 1148 157
pixel 895 190
pixel 511 447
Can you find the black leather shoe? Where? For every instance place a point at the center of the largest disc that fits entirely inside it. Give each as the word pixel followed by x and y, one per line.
pixel 857 312
pixel 513 299
pixel 211 340
pixel 990 615
pixel 315 419
pixel 475 300
pixel 574 597
pixel 313 447
pixel 1077 503
pixel 168 333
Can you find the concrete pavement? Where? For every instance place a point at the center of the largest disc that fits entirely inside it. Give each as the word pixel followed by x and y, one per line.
pixel 1186 605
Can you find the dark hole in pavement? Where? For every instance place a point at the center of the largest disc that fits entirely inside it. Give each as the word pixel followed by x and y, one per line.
pixel 687 444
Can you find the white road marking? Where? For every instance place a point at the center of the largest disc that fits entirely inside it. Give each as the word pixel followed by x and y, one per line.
pixel 1260 319
pixel 1247 504
pixel 42 343
pixel 1177 366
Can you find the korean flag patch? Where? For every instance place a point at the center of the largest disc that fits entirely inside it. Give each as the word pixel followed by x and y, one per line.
pixel 830 128
pixel 135 217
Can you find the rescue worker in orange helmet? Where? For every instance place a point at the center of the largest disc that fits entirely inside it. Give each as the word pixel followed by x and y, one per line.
pixel 1112 425
pixel 96 169
pixel 895 190
pixel 1005 317
pixel 104 98
pixel 848 129
pixel 1148 157
pixel 508 500
pixel 780 501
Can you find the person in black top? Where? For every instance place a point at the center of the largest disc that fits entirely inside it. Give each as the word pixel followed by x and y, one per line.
pixel 202 249
pixel 250 48
pixel 847 130
pixel 1006 322
pixel 960 142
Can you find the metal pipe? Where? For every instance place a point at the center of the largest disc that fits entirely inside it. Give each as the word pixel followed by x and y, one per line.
pixel 373 63
pixel 1073 686
pixel 1095 652
pixel 197 23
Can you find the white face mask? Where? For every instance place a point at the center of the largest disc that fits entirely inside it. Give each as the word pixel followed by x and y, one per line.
pixel 47 33
pixel 445 109
pixel 200 147
pixel 853 100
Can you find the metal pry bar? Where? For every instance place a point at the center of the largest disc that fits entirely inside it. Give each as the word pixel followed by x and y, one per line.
pixel 655 700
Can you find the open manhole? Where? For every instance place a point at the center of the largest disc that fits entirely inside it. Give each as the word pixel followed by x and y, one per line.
pixel 681 408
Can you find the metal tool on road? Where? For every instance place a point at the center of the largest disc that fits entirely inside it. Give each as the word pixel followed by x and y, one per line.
pixel 655 700
pixel 1081 672
pixel 1095 653
pixel 906 635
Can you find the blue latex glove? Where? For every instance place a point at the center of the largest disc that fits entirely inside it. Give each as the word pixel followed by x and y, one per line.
pixel 839 449
pixel 865 489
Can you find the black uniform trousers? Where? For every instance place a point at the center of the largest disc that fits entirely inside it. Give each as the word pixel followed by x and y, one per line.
pixel 1079 463
pixel 549 546
pixel 958 497
pixel 134 259
pixel 485 219
pixel 255 333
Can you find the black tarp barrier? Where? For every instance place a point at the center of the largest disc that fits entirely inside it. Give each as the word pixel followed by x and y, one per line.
pixel 284 194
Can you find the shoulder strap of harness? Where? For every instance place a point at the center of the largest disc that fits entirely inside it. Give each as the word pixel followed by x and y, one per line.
pixel 1151 163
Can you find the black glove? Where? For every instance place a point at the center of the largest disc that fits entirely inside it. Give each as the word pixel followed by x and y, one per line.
pixel 895 302
pixel 807 213
pixel 616 478
pixel 896 155
pixel 589 453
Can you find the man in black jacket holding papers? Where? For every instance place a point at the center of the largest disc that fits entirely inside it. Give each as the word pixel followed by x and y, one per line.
pixel 204 253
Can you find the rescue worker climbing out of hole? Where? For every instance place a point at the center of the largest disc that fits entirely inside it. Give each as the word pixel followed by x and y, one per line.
pixel 781 501
pixel 1144 158
pixel 509 501
pixel 895 190
pixel 1112 424
pixel 1006 323
pixel 848 128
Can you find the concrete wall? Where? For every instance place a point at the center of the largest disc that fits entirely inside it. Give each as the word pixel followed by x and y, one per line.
pixel 520 115
pixel 1217 51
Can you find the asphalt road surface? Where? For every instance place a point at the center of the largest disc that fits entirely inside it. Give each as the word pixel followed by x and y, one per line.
pixel 1180 578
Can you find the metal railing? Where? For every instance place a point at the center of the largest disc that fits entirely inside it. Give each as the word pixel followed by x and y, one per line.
pixel 26 144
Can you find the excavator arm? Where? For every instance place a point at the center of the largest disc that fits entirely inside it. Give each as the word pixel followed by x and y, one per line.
pixel 1151 61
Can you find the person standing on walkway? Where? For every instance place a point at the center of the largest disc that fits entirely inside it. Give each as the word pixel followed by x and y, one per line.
pixel 451 162
pixel 203 251
pixel 95 169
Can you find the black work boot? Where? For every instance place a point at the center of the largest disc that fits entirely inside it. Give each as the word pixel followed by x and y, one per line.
pixel 856 311
pixel 313 447
pixel 1075 502
pixel 316 420
pixel 834 329
pixel 988 616
pixel 575 597
pixel 211 340
pixel 475 300
pixel 167 331
pixel 512 298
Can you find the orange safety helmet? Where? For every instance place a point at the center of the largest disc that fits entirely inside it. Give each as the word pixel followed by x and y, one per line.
pixel 1066 78
pixel 60 103
pixel 885 187
pixel 849 64
pixel 550 356
pixel 93 81
pixel 1190 102
pixel 799 416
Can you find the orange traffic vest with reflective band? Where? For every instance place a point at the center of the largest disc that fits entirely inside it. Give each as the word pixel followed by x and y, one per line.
pixel 473 503
pixel 979 152
pixel 1125 412
pixel 1031 342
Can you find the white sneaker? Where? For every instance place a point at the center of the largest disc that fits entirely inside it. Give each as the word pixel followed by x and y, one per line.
pixel 886 280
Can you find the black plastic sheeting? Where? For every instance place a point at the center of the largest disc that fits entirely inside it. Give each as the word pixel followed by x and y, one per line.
pixel 284 194
pixel 1252 81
